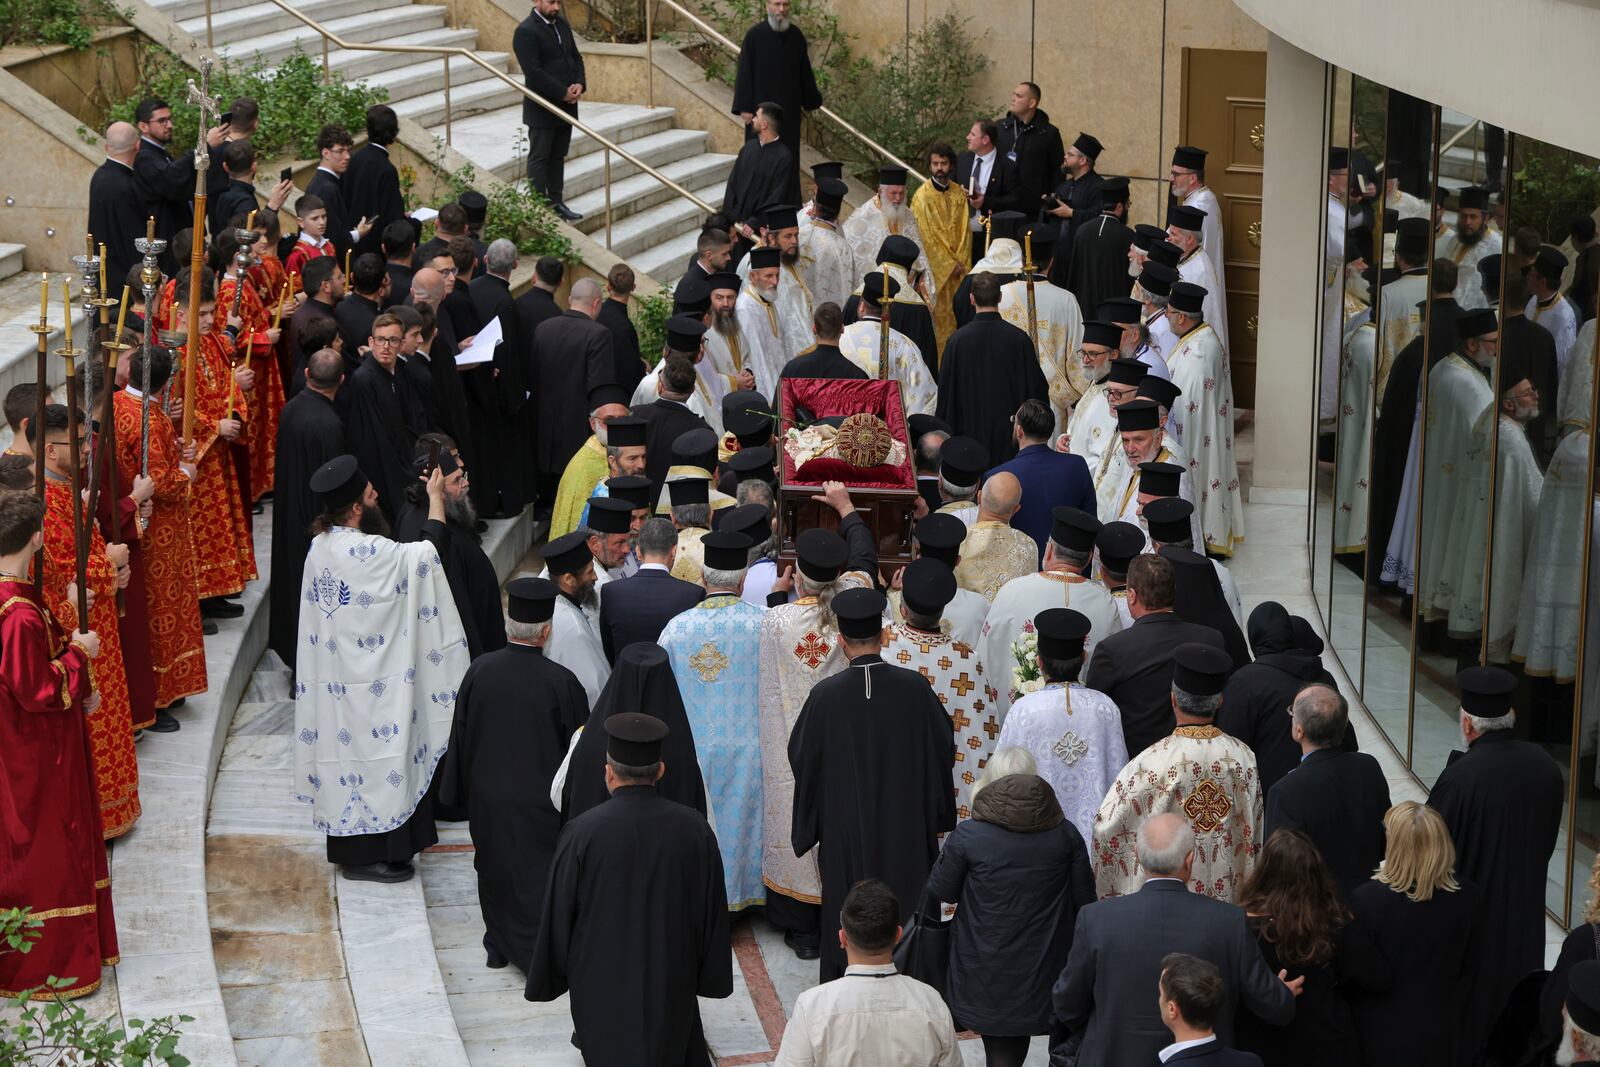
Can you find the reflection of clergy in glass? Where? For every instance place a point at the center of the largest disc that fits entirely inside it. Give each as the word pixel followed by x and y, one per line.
pixel 1470 241
pixel 1458 393
pixel 1333 281
pixel 1400 301
pixel 1548 307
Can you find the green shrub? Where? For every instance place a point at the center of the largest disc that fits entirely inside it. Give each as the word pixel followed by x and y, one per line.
pixel 295 101
pixel 68 22
pixel 650 315
pixel 517 212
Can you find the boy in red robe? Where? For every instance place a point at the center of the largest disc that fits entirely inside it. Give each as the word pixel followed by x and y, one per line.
pixel 255 351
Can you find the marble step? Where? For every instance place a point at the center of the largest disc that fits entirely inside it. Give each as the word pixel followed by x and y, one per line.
pixel 588 171
pixel 641 191
pixel 474 98
pixel 255 20
pixel 649 228
pixel 369 26
pixel 10 259
pixel 666 260
pixel 360 65
pixel 497 143
pixel 422 76
pixel 182 10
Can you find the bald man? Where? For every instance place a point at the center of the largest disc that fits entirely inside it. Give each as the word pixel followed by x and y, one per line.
pixel 573 354
pixel 115 217
pixel 994 552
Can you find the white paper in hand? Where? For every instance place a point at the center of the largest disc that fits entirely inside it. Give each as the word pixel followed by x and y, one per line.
pixel 483 345
pixel 425 214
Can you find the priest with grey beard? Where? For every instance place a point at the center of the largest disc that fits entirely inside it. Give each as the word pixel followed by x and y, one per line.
pixel 473 584
pixel 774 65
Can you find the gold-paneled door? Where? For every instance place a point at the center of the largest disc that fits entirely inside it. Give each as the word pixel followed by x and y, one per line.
pixel 1224 110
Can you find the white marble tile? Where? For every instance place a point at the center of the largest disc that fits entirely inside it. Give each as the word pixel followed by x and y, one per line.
pixel 731 1024
pixel 448 878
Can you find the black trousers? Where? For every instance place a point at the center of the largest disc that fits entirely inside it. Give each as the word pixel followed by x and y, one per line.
pixel 791 915
pixel 1004 1051
pixel 547 158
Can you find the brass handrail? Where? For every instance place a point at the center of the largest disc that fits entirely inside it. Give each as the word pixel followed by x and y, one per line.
pixel 711 31
pixel 445 51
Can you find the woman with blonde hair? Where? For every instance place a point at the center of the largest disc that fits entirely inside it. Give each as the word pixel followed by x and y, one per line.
pixel 1425 922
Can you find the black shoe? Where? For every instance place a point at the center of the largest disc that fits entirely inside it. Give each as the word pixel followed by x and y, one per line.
pixel 495 961
pixel 380 872
pixel 176 703
pixel 220 608
pixel 567 213
pixel 805 946
pixel 164 724
pixel 207 627
pixel 258 508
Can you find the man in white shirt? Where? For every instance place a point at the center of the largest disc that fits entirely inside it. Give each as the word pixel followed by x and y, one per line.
pixel 1192 995
pixel 874 1014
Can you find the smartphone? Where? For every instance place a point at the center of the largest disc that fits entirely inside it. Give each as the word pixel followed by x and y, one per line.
pixel 226 119
pixel 286 174
pixel 433 459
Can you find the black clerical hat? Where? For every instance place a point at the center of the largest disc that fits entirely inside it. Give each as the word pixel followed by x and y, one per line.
pixel 1514 367
pixel 872 288
pixel 828 168
pixel 1583 996
pixel 630 488
pixel 1123 310
pixel 1476 323
pixel 1168 520
pixel 920 424
pixel 1113 191
pixel 689 491
pixel 1338 158
pixel 1073 528
pixel 1163 391
pixel 1089 145
pixel 1126 371
pixel 1159 478
pixel 830 193
pixel 962 461
pixel 782 217
pixel 633 738
pixel 1185 217
pixel 1165 253
pixel 723 279
pixel 1188 298
pixel 821 554
pixel 421 456
pixel 476 205
pixel 695 448
pixel 750 463
pixel 1486 691
pixel 726 550
pixel 606 394
pixel 1061 632
pixel 1550 262
pixel 625 431
pixel 860 612
pixel 752 520
pixel 1006 224
pixel 531 599
pixel 608 515
pixel 1157 279
pixel 1200 670
pixel 927 584
pixel 685 332
pixel 939 537
pixel 891 174
pixel 567 554
pixel 1118 543
pixel 339 482
pixel 1138 415
pixel 693 297
pixel 899 250
pixel 1145 235
pixel 1103 334
pixel 1188 157
pixel 1411 238
pixel 1473 198
pixel 748 416
pixel 1489 271
pixel 761 258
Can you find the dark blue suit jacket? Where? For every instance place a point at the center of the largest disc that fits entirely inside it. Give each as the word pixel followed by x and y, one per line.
pixel 1050 479
pixel 637 608
pixel 1215 1054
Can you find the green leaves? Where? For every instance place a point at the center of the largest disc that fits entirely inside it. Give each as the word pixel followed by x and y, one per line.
pixel 650 315
pixel 68 22
pixel 517 211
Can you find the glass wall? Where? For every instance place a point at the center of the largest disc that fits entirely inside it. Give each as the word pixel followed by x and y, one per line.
pixel 1455 493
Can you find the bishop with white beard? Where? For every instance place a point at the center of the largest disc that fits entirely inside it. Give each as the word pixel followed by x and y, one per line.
pixel 884 215
pixel 757 314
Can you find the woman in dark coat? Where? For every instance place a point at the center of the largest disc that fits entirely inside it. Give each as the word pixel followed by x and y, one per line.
pixel 1583 943
pixel 1426 924
pixel 1297 914
pixel 1018 873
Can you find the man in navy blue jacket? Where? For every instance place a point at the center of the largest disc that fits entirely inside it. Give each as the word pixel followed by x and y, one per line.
pixel 638 607
pixel 1050 479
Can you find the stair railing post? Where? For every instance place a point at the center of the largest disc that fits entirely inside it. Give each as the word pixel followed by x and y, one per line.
pixel 447 107
pixel 209 44
pixel 649 53
pixel 607 159
pixel 327 72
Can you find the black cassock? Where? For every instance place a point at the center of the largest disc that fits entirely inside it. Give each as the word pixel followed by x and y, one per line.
pixel 763 176
pixel 383 418
pixel 296 326
pixel 573 354
pixel 516 711
pixel 820 361
pixel 635 924
pixel 474 586
pixel 310 433
pixel 665 422
pixel 355 315
pixel 913 320
pixel 628 365
pixel 371 188
pixel 495 398
pixel 641 680
pixel 871 754
pixel 988 369
pixel 115 219
pixel 1098 270
pixel 1198 597
pixel 777 67
pixel 961 303
pixel 1083 196
pixel 1502 801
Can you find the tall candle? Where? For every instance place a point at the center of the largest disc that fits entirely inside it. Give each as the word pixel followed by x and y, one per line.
pixel 44 298
pixel 102 271
pixel 122 313
pixel 66 300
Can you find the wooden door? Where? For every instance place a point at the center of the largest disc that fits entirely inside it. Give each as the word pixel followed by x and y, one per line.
pixel 1224 110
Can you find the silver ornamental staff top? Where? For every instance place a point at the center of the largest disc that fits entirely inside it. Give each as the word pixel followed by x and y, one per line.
pixel 89 266
pixel 149 282
pixel 200 96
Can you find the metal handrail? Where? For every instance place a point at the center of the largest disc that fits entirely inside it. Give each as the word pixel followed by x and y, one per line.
pixel 445 51
pixel 711 31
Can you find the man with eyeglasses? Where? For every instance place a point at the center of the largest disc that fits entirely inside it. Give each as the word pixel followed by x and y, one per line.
pixel 327 184
pixel 1093 424
pixel 166 185
pixel 383 417
pixel 1189 189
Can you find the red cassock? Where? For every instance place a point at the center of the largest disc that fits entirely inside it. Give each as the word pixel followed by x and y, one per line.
pixel 52 855
pixel 177 642
pixel 116 768
pixel 270 276
pixel 265 398
pixel 224 548
pixel 302 253
pixel 133 624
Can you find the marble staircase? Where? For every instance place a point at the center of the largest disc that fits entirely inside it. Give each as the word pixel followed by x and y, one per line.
pixel 652 227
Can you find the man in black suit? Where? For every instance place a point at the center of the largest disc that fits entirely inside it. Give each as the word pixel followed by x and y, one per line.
pixel 1336 798
pixel 628 366
pixel 114 216
pixel 990 179
pixel 360 306
pixel 572 355
pixel 1103 998
pixel 238 194
pixel 399 242
pixel 547 52
pixel 823 359
pixel 1134 666
pixel 345 226
pixel 637 608
pixel 668 416
pixel 1192 998
pixel 165 185
pixel 371 185
pixel 323 283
